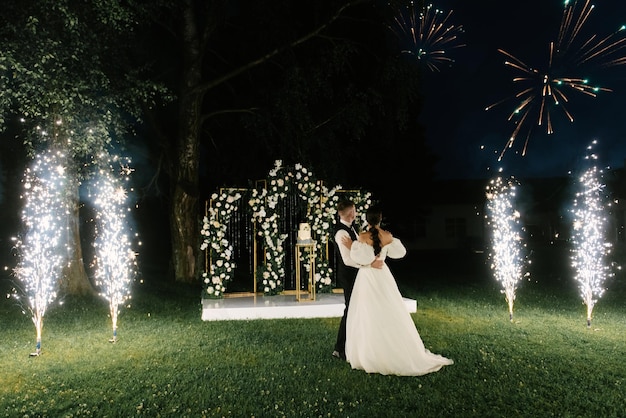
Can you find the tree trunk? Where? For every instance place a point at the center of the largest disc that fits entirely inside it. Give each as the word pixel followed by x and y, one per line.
pixel 183 219
pixel 74 279
pixel 184 208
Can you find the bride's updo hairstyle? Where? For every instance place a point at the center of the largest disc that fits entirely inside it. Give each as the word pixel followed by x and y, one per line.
pixel 373 216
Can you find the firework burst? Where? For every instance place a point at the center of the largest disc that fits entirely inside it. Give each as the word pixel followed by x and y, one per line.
pixel 426 33
pixel 41 249
pixel 507 259
pixel 114 259
pixel 591 250
pixel 570 59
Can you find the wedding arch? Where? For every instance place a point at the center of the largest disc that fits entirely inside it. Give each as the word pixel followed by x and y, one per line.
pixel 263 219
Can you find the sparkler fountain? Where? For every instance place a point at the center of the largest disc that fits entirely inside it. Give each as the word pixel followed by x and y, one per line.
pixel 590 247
pixel 114 259
pixel 40 250
pixel 506 256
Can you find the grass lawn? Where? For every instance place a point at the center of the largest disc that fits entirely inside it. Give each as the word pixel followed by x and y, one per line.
pixel 169 363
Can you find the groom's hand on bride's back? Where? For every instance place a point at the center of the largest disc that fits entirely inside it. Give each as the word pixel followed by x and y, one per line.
pixel 377 263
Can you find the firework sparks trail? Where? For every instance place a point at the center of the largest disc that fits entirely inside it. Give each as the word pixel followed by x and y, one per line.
pixel 506 256
pixel 427 34
pixel 41 250
pixel 542 92
pixel 591 250
pixel 114 259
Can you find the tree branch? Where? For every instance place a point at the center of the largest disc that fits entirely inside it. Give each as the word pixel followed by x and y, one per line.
pixel 207 116
pixel 202 88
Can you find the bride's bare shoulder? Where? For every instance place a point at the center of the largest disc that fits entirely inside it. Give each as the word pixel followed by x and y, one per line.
pixel 365 237
pixel 385 237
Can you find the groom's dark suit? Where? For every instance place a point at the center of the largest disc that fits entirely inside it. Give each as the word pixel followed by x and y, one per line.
pixel 346 276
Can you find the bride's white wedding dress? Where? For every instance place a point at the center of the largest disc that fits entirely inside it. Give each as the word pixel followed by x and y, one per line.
pixel 381 336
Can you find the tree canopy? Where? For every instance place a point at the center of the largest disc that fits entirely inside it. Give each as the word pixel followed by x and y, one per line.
pixel 324 85
pixel 321 83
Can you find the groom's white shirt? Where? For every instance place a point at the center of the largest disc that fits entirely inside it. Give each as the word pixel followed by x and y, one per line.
pixel 345 251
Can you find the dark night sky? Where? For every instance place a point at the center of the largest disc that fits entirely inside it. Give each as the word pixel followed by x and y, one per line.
pixel 454 115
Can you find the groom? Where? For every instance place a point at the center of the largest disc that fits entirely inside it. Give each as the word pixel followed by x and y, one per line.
pixel 346 267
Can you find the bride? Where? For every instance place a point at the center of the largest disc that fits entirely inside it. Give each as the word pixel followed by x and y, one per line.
pixel 381 336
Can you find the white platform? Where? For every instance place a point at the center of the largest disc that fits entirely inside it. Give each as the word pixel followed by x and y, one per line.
pixel 326 305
